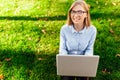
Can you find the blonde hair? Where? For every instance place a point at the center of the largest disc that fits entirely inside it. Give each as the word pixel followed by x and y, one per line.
pixel 85 6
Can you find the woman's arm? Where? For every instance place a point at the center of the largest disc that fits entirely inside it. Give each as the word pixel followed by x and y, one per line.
pixel 62 48
pixel 90 47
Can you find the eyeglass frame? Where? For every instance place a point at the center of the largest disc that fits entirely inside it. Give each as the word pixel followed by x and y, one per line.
pixel 79 12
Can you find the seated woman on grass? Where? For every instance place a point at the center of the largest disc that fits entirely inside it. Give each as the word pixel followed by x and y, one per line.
pixel 77 37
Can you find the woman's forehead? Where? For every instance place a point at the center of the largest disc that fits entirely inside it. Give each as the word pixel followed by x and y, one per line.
pixel 78 7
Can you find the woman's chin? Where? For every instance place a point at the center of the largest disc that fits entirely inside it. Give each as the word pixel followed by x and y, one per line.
pixel 76 22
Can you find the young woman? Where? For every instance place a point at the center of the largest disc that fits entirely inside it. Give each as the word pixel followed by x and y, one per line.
pixel 77 37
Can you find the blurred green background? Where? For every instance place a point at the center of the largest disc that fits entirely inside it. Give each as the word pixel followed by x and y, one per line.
pixel 29 38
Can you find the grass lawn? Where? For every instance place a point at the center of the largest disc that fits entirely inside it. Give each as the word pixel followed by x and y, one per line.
pixel 29 38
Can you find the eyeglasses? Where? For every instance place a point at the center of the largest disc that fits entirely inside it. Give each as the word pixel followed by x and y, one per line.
pixel 79 12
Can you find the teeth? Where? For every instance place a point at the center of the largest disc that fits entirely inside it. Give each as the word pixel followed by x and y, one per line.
pixel 77 19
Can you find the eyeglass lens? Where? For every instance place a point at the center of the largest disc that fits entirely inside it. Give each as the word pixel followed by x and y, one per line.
pixel 77 12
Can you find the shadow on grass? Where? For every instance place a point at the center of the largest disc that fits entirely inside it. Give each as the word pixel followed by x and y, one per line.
pixel 32 66
pixel 46 18
pixel 59 17
pixel 98 15
pixel 28 65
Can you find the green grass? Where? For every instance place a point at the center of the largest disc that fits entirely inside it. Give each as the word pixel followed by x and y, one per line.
pixel 29 38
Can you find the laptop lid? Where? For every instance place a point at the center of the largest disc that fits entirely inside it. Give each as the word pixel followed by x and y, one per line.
pixel 77 65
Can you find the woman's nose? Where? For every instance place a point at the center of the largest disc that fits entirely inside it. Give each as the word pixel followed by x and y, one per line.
pixel 76 15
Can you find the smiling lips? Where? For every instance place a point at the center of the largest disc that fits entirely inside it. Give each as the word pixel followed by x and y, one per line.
pixel 76 19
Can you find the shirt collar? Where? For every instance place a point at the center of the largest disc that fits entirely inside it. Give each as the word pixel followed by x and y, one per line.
pixel 81 32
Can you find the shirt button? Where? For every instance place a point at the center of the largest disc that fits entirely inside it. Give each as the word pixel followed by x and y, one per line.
pixel 75 52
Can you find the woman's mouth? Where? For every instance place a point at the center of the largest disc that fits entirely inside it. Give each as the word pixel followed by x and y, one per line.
pixel 76 19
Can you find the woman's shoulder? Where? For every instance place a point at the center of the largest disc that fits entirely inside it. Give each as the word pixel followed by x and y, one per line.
pixel 65 26
pixel 93 28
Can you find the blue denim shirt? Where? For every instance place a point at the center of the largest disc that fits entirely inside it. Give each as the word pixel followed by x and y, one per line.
pixel 80 43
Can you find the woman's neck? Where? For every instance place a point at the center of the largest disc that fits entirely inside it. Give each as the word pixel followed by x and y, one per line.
pixel 78 27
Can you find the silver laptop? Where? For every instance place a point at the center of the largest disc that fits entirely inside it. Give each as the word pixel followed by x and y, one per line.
pixel 77 65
